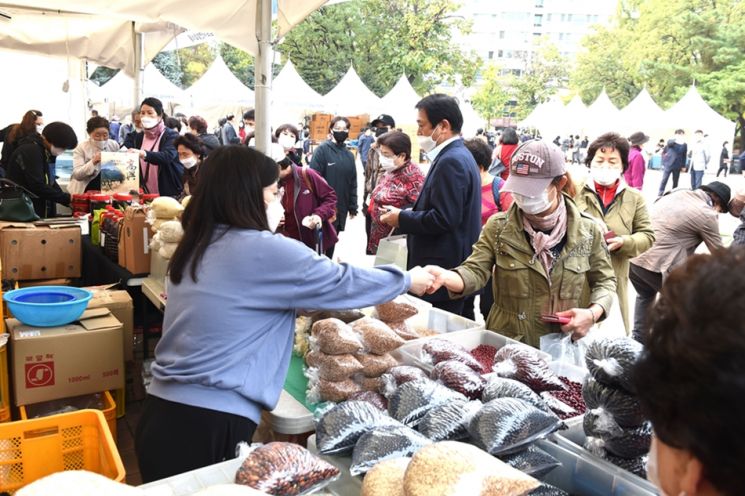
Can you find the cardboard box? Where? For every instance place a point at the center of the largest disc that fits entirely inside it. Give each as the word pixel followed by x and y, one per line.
pixel 356 123
pixel 319 126
pixel 57 362
pixel 45 282
pixel 120 304
pixel 30 252
pixel 135 241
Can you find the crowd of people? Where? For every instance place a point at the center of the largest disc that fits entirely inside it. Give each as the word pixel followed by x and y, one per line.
pixel 544 251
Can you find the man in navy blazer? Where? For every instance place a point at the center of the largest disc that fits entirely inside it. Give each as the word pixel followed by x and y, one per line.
pixel 445 221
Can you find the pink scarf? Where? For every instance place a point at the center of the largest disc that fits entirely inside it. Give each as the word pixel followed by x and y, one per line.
pixel 151 143
pixel 541 242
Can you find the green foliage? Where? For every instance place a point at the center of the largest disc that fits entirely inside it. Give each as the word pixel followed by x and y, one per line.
pixel 667 45
pixel 102 75
pixel 382 39
pixel 491 99
pixel 544 71
pixel 240 63
pixel 184 66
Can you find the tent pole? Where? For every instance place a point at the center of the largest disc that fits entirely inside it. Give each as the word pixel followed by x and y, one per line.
pixel 139 69
pixel 263 73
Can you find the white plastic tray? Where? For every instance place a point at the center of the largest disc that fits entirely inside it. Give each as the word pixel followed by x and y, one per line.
pixel 290 416
pixel 410 353
pixel 194 481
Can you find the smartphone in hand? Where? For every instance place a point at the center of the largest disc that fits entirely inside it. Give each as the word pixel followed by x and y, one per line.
pixel 555 319
pixel 609 235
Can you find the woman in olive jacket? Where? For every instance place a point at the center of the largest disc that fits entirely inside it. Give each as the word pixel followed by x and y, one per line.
pixel 621 210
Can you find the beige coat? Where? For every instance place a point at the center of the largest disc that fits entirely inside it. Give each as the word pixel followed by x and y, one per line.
pixel 681 221
pixel 628 217
pixel 582 274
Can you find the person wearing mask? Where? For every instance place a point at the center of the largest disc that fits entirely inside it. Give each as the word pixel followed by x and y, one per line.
pixel 129 129
pixel 674 157
pixel 399 185
pixel 547 258
pixel 213 374
pixel 682 220
pixel 160 170
pixel 621 211
pixel 737 210
pixel 31 124
pixel 86 158
pixel 308 202
pixel 364 141
pixel 198 127
pixel 381 125
pixel 445 221
pixel 634 173
pixel 29 166
pixel 335 164
pixel 190 154
pixel 287 137
pixel 249 122
pixel 493 200
pixel 689 378
pixel 723 160
pixel 229 135
pixel 700 158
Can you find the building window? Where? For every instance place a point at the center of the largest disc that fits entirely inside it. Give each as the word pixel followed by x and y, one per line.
pixel 569 17
pixel 536 35
pixel 491 54
pixel 548 17
pixel 538 20
pixel 501 35
pixel 539 3
pixel 500 54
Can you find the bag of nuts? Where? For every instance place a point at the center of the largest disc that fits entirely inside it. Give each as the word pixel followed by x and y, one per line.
pixel 394 311
pixel 375 365
pixel 385 443
pixel 386 478
pixel 323 390
pixel 334 337
pixel 377 337
pixel 333 367
pixel 339 428
pixel 285 469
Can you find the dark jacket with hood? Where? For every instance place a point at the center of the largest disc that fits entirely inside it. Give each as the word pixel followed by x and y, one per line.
pixel 28 166
pixel 170 170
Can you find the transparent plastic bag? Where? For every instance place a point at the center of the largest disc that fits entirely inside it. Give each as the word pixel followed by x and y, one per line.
pixel 567 403
pixel 333 367
pixel 438 350
pixel 500 387
pixel 563 348
pixel 395 311
pixel 375 365
pixel 375 399
pixel 385 443
pixel 459 377
pixel 323 390
pixel 533 461
pixel 404 330
pixel 372 384
pixel 524 364
pixel 346 316
pixel 452 468
pixel 398 375
pixel 449 421
pixel 611 360
pixel 508 425
pixel 628 443
pixel 611 405
pixel 377 337
pixel 386 478
pixel 547 490
pixel 285 469
pixel 412 400
pixel 334 337
pixel 637 466
pixel 339 428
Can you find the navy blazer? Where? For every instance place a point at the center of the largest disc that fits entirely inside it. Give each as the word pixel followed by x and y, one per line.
pixel 445 221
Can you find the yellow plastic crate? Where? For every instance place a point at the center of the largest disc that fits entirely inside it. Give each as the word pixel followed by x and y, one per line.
pixel 32 449
pixel 4 378
pixel 109 411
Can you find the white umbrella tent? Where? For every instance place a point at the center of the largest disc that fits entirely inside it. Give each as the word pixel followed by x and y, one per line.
pixel 351 97
pixel 575 114
pixel 602 116
pixel 643 114
pixel 399 102
pixel 292 97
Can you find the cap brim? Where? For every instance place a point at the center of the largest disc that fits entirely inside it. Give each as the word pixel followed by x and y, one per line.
pixel 526 186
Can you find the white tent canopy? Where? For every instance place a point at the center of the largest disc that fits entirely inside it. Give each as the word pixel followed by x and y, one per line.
pixel 547 117
pixel 400 101
pixel 575 114
pixel 602 116
pixel 351 97
pixel 158 86
pixel 642 114
pixel 292 97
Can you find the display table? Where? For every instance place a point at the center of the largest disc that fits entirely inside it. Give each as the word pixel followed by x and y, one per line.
pixel 154 290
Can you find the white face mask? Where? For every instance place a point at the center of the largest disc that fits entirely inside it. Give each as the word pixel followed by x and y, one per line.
pixel 249 129
pixel 532 206
pixel 426 143
pixel 274 213
pixel 679 139
pixel 39 128
pixel 99 144
pixel 388 163
pixel 189 162
pixel 149 122
pixel 56 151
pixel 286 141
pixel 605 177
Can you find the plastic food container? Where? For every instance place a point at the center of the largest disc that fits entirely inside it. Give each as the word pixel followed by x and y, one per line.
pixel 47 306
pixel 32 449
pixel 410 353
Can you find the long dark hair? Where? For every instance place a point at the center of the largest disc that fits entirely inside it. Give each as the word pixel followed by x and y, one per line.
pixel 26 127
pixel 230 194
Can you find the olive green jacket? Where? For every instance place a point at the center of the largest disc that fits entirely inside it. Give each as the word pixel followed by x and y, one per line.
pixel 523 292
pixel 629 218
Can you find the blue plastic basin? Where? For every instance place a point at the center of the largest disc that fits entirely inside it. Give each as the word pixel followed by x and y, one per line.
pixel 47 306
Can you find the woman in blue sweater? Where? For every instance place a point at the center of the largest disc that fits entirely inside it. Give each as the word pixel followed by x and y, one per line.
pixel 229 324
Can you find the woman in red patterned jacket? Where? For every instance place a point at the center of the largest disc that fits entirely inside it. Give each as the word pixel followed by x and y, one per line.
pixel 399 186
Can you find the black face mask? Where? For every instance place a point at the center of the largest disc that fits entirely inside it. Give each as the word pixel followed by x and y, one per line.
pixel 341 136
pixel 380 131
